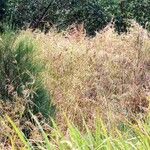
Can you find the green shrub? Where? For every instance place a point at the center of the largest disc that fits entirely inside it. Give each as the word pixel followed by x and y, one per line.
pixel 20 74
pixel 23 13
pixel 2 9
pixel 89 11
pixel 139 10
pixel 94 13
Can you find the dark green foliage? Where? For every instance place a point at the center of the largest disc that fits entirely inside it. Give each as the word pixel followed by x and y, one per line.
pixel 94 13
pixel 124 10
pixel 22 13
pixel 88 11
pixel 118 11
pixel 61 13
pixel 19 75
pixel 2 13
pixel 140 10
pixel 41 105
pixel 2 9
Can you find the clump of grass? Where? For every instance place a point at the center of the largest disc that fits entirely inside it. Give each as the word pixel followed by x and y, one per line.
pixel 20 75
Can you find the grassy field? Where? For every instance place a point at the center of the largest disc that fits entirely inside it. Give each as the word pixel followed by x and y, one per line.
pixel 96 90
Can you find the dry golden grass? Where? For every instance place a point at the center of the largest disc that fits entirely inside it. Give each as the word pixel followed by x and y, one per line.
pixel 108 74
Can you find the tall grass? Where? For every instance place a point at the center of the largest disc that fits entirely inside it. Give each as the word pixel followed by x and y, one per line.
pixel 107 76
pixel 20 75
pixel 133 137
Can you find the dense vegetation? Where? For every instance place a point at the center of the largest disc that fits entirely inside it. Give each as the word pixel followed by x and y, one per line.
pixel 60 13
pixel 106 76
pixel 74 75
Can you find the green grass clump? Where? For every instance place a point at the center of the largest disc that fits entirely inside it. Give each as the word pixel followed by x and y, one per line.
pixel 19 74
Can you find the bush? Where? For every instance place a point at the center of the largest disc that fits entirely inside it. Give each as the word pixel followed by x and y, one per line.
pixel 22 13
pixel 19 75
pixel 60 13
pixel 89 12
pixel 2 13
pixel 139 10
pixel 2 9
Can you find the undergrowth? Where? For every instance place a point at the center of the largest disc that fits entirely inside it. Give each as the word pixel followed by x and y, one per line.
pixel 107 76
pixel 129 137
